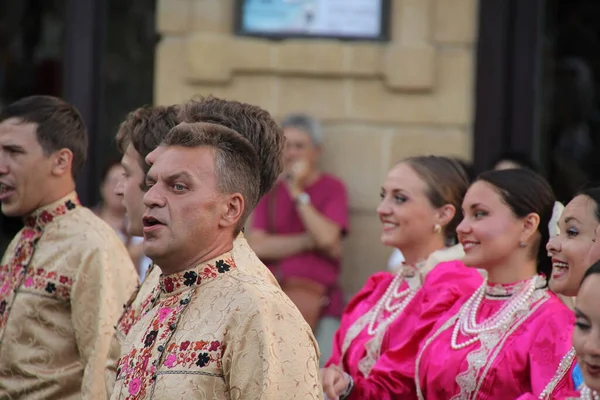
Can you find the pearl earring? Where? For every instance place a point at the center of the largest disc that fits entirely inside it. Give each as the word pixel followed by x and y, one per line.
pixel 522 244
pixel 437 228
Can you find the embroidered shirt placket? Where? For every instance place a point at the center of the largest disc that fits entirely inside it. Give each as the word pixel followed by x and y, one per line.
pixel 34 226
pixel 157 363
pixel 124 323
pixel 24 268
pixel 139 369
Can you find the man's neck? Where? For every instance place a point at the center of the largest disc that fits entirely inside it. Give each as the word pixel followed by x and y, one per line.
pixel 59 191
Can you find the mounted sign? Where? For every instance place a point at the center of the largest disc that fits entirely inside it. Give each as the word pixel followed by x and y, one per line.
pixel 332 19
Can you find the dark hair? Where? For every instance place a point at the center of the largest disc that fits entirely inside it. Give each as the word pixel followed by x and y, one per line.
pixel 521 159
pixel 251 122
pixel 447 182
pixel 145 128
pixel 594 194
pixel 594 269
pixel 236 162
pixel 526 192
pixel 59 126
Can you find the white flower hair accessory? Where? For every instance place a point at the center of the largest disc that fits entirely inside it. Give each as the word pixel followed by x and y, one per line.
pixel 556 213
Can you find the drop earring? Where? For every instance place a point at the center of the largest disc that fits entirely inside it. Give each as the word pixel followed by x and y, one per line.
pixel 437 228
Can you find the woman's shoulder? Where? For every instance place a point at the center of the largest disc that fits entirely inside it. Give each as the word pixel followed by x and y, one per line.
pixel 455 272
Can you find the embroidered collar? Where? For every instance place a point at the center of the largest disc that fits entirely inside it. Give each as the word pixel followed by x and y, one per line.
pixel 199 275
pixel 415 274
pixel 42 216
pixel 507 290
pixel 411 270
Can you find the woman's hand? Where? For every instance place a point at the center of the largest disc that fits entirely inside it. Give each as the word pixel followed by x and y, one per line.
pixel 333 381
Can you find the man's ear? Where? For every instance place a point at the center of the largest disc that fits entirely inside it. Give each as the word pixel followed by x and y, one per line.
pixel 62 162
pixel 233 210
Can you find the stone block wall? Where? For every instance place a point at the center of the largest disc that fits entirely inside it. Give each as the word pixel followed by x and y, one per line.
pixel 379 102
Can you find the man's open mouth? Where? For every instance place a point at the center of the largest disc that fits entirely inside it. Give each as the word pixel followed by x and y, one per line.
pixel 6 191
pixel 150 221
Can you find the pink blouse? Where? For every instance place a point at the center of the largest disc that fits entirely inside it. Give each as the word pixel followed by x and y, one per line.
pixel 382 365
pixel 513 363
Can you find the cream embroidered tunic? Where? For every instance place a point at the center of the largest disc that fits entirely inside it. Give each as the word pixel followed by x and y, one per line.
pixel 59 307
pixel 245 258
pixel 219 331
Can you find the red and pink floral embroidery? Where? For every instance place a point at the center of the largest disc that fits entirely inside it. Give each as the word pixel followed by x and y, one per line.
pixel 137 376
pixel 49 283
pixel 132 316
pixel 12 272
pixel 153 349
pixel 44 216
pixel 190 355
pixel 135 368
pixel 189 278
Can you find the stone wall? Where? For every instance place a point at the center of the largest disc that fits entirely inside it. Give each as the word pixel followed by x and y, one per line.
pixel 379 102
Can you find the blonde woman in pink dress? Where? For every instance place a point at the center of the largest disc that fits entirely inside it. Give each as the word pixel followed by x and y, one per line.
pixel 507 339
pixel 382 326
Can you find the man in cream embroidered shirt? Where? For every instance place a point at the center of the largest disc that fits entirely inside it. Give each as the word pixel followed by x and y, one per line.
pixel 141 301
pixel 217 332
pixel 212 329
pixel 142 131
pixel 57 311
pixel 66 276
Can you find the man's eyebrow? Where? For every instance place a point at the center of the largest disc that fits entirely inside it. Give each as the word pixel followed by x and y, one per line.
pixel 13 148
pixel 179 175
pixel 171 177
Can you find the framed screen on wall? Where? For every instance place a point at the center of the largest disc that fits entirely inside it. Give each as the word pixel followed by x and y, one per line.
pixel 334 19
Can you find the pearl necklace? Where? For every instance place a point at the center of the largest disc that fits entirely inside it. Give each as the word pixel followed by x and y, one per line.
pixel 589 394
pixel 467 317
pixel 386 302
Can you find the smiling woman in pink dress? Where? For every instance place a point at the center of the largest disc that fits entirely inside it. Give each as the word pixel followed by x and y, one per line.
pixel 570 251
pixel 508 338
pixel 381 328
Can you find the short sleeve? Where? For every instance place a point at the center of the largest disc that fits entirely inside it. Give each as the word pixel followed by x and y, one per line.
pixel 336 206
